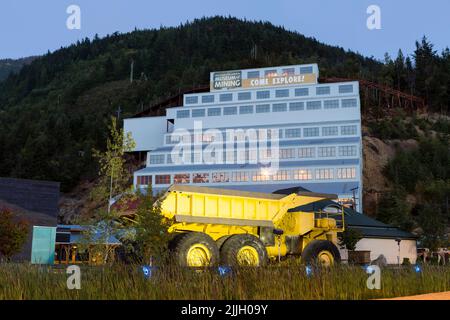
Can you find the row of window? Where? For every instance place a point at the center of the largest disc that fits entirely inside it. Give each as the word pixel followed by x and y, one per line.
pixel 266 94
pixel 265 108
pixel 325 131
pixel 251 155
pixel 250 176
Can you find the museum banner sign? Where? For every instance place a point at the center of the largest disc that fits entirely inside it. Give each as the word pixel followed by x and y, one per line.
pixel 233 80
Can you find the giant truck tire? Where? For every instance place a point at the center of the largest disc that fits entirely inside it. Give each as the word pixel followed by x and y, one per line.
pixel 321 253
pixel 195 249
pixel 243 250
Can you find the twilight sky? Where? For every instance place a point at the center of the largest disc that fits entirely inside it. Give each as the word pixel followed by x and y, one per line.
pixel 33 27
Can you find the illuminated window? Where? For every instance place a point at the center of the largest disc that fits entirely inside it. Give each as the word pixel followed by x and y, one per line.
pixel 181 178
pixel 162 179
pixel 346 173
pixel 308 152
pixel 303 174
pixel 324 174
pixel 144 180
pixel 260 176
pixel 270 73
pixel 281 175
pixel 200 177
pixel 288 72
pixel 240 176
pixel 220 177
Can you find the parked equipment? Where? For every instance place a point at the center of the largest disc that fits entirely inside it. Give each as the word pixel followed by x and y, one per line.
pixel 234 227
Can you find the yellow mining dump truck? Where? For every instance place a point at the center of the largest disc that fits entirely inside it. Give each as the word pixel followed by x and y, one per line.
pixel 231 227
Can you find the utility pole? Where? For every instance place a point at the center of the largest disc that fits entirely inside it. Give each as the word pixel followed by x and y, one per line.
pixel 119 111
pixel 131 71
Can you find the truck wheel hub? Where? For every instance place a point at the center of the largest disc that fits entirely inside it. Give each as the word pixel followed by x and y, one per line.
pixel 198 256
pixel 248 256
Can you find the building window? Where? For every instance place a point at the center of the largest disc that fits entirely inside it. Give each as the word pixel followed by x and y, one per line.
pixel 227 111
pixel 200 177
pixel 156 158
pixel 311 132
pixel 224 97
pixel 331 104
pixel 191 99
pixel 313 105
pixel 308 152
pixel 301 92
pixel 281 175
pixel 271 73
pixel 347 151
pixel 346 173
pixel 239 176
pixel 330 131
pixel 348 130
pixel 244 96
pixel 144 180
pixel 287 153
pixel 349 103
pixel 263 94
pixel 208 98
pixel 324 174
pixel 282 93
pixel 262 108
pixel 288 71
pixel 260 176
pixel 303 174
pixel 198 113
pixel 279 107
pixel 252 74
pixel 162 179
pixel 346 88
pixel 182 114
pixel 293 133
pixel 218 177
pixel 296 106
pixel 304 70
pixel 181 178
pixel 322 90
pixel 245 109
pixel 326 152
pixel 214 112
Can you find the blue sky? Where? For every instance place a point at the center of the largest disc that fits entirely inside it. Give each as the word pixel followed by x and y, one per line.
pixel 33 27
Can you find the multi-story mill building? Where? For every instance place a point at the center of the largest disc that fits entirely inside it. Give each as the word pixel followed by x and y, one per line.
pixel 318 129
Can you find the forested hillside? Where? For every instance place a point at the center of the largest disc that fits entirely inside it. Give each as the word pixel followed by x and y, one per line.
pixel 12 65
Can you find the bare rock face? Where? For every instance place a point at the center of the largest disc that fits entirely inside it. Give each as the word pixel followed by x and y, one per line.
pixel 380 261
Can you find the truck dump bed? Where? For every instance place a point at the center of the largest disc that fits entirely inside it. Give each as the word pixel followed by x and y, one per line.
pixel 194 204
